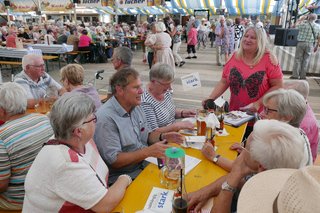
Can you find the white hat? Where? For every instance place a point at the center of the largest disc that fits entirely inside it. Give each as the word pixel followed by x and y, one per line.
pixel 284 190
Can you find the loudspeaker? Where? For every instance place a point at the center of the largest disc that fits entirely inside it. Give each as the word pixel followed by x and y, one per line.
pixel 6 3
pixel 76 1
pixel 272 29
pixel 286 37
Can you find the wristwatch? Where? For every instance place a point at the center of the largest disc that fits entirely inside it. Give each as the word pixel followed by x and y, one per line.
pixel 225 186
pixel 215 158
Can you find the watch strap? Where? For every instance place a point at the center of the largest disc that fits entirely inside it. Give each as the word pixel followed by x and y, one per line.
pixel 225 186
pixel 215 158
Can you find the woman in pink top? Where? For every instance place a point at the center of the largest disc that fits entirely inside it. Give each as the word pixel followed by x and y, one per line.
pixel 251 72
pixel 84 45
pixel 11 39
pixel 192 41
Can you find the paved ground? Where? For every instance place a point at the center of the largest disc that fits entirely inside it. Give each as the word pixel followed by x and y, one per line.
pixel 204 64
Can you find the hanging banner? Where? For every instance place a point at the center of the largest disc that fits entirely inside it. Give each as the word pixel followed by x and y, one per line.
pixel 135 3
pixel 23 6
pixel 90 3
pixel 107 3
pixel 56 5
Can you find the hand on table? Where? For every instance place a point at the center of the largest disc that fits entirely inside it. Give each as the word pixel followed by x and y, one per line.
pixel 252 107
pixel 197 200
pixel 183 125
pixel 157 149
pixel 188 113
pixel 208 151
pixel 237 147
pixel 174 137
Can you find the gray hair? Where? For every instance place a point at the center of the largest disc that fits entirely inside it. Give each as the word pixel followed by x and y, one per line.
pixel 276 144
pixel 161 71
pixel 301 87
pixel 160 27
pixel 122 78
pixel 13 98
pixel 124 54
pixel 69 112
pixel 229 22
pixel 312 17
pixel 289 103
pixel 262 48
pixel 29 59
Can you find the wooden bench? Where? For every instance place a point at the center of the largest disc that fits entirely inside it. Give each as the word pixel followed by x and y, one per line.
pixel 83 54
pixel 47 58
pixel 71 56
pixel 13 65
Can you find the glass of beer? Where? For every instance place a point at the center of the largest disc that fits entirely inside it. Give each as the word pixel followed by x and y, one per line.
pixel 201 122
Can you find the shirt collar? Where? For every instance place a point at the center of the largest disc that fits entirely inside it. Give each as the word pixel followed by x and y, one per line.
pixel 119 109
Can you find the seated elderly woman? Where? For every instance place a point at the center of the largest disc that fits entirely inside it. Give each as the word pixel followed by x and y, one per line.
pixel 157 102
pixel 22 136
pixel 72 76
pixel 309 123
pixel 62 178
pixel 272 144
pixel 283 105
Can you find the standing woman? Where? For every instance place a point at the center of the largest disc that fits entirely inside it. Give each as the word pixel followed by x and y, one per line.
pixel 63 178
pixel 238 33
pixel 176 39
pixel 161 43
pixel 251 72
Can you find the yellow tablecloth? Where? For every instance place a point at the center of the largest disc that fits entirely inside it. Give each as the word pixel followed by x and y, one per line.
pixel 203 174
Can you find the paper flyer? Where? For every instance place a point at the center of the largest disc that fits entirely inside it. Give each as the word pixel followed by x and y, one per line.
pixel 160 200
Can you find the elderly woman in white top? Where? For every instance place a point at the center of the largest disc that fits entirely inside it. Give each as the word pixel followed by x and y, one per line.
pixel 161 43
pixel 63 178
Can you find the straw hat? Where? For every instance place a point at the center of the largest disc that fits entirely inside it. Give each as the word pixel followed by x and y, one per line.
pixel 287 190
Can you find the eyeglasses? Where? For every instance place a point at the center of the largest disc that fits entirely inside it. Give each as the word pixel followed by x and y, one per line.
pixel 37 66
pixel 267 110
pixel 164 84
pixel 94 119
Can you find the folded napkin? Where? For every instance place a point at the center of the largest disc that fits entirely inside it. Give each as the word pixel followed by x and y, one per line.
pixel 222 133
pixel 195 142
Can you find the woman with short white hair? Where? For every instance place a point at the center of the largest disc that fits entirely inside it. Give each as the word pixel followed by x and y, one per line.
pixel 161 43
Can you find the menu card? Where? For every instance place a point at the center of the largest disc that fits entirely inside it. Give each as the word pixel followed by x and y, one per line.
pixel 237 118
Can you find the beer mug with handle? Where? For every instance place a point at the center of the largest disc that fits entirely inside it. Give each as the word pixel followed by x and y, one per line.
pixel 174 162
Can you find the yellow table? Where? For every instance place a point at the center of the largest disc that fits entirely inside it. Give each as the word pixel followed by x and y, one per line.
pixel 203 174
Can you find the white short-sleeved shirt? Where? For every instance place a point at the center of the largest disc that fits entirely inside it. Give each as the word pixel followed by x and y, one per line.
pixel 61 180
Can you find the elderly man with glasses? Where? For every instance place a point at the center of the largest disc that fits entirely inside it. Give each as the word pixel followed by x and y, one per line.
pixel 34 79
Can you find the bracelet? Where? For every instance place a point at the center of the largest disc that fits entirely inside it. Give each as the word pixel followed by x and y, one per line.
pixel 181 115
pixel 160 137
pixel 128 178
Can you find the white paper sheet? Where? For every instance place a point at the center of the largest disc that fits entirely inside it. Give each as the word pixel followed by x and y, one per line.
pixel 190 162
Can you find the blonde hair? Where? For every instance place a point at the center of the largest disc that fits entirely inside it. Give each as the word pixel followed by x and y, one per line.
pixel 74 73
pixel 262 48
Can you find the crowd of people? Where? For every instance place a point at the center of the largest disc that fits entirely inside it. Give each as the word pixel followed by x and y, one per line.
pixel 84 154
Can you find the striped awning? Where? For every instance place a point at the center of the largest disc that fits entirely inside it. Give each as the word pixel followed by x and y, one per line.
pixel 234 7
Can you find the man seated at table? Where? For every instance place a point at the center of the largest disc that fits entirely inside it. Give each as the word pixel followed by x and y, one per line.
pixel 22 136
pixel 272 144
pixel 122 135
pixel 34 79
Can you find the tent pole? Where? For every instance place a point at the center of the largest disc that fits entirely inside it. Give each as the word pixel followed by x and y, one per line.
pixel 8 17
pixel 75 13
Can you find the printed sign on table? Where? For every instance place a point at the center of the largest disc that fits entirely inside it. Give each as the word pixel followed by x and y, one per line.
pixel 191 81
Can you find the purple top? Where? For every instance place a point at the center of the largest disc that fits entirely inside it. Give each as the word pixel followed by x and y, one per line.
pixel 92 93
